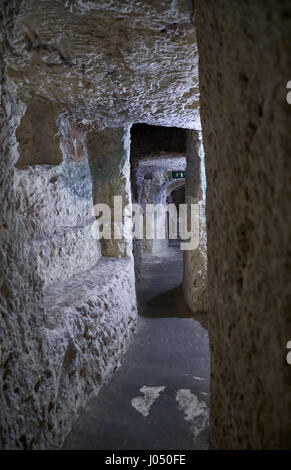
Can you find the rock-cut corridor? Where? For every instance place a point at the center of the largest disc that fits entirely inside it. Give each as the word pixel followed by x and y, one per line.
pixel 145 224
pixel 159 397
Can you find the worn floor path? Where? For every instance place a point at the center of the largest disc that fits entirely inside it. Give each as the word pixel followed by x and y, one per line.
pixel 169 360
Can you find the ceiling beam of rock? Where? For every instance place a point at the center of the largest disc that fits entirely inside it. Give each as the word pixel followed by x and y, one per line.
pixel 109 62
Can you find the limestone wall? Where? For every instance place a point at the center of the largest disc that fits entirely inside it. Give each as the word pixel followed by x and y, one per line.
pixel 109 159
pixel 61 336
pixel 21 309
pixel 88 324
pixel 37 135
pixel 67 312
pixel 54 204
pixel 244 50
pixel 112 62
pixel 195 261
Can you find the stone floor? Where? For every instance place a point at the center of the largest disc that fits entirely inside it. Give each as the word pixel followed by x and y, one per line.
pixel 159 397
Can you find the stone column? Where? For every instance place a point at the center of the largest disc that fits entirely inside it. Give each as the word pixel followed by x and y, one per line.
pixel 109 160
pixel 195 261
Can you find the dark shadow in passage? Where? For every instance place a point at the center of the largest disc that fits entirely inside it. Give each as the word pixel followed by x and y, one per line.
pixel 170 304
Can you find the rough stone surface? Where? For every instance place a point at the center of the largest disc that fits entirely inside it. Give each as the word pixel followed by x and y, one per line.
pixel 109 159
pixel 195 261
pixel 54 205
pixel 88 325
pixel 151 140
pixel 61 71
pixel 74 341
pixel 50 359
pixel 145 70
pixel 167 334
pixel 244 50
pixel 21 308
pixel 58 346
pixel 37 135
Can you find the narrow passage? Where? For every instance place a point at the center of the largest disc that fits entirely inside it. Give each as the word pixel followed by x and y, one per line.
pixel 159 397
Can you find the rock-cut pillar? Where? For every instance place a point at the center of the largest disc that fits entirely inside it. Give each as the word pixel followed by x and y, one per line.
pixel 195 261
pixel 109 159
